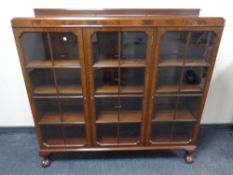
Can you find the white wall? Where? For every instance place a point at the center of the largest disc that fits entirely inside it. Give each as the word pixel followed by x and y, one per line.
pixel 14 105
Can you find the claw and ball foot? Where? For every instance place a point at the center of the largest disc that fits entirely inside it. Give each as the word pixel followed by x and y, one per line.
pixel 189 157
pixel 45 163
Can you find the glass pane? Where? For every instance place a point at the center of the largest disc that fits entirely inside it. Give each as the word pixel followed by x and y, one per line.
pixel 48 111
pixel 168 79
pixel 130 109
pixel 106 80
pixel 64 46
pixel 69 81
pixel 35 48
pixel 72 110
pixel 132 80
pixel 134 45
pixel 52 135
pixel 161 132
pixel 188 108
pixel 182 131
pixel 194 79
pixel 75 134
pixel 107 110
pixel 172 46
pixel 105 47
pixel 129 133
pixel 107 134
pixel 200 47
pixel 164 108
pixel 42 81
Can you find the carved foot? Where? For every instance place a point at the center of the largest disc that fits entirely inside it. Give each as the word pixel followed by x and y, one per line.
pixel 188 156
pixel 45 163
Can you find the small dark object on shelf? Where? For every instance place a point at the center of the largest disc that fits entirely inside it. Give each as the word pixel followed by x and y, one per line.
pixel 191 77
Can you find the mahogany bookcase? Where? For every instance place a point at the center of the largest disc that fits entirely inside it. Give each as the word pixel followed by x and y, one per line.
pixel 116 80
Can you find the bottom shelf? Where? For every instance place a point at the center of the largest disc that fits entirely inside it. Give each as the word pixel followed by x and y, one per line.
pixel 52 142
pixel 121 141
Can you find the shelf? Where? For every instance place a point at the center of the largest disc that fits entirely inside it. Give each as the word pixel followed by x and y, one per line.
pixel 107 63
pixel 131 89
pixel 68 118
pixel 123 89
pixel 71 89
pixel 197 62
pixel 191 88
pixel 54 141
pixel 167 89
pixel 45 90
pixel 133 63
pixel 124 117
pixel 40 64
pixel 106 89
pixel 73 118
pixel 66 63
pixel 167 115
pixel 123 63
pixel 75 141
pixel 108 140
pixel 170 62
pixel 128 140
pixel 57 63
pixel 50 118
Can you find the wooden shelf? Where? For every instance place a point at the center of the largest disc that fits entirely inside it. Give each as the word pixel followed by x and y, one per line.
pixel 131 89
pixel 67 117
pixel 40 64
pixel 170 62
pixel 123 63
pixel 132 63
pixel 73 118
pixel 190 88
pixel 196 62
pixel 50 118
pixel 108 140
pixel 66 63
pixel 167 89
pixel 107 63
pixel 54 142
pixel 45 90
pixel 75 141
pixel 106 89
pixel 167 115
pixel 123 89
pixel 128 140
pixel 70 89
pixel 57 63
pixel 124 117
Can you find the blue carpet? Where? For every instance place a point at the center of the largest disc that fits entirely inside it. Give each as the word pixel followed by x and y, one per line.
pixel 18 155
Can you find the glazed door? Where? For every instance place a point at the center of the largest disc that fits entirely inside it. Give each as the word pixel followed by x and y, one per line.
pixel 182 70
pixel 53 63
pixel 117 71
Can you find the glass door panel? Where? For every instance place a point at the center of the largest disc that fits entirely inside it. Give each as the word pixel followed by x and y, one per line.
pixel 35 49
pixel 75 135
pixel 172 47
pixel 168 79
pixel 52 135
pixel 161 132
pixel 72 110
pixel 42 81
pixel 69 81
pixel 64 48
pixel 182 131
pixel 200 47
pixel 194 79
pixel 106 80
pixel 105 48
pixel 48 111
pixel 164 108
pixel 132 80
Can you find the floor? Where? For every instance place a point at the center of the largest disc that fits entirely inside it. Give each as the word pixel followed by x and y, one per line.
pixel 18 155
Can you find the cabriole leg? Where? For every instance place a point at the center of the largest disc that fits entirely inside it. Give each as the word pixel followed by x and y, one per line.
pixel 189 156
pixel 46 160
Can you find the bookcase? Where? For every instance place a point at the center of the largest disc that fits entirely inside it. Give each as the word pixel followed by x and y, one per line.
pixel 115 80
